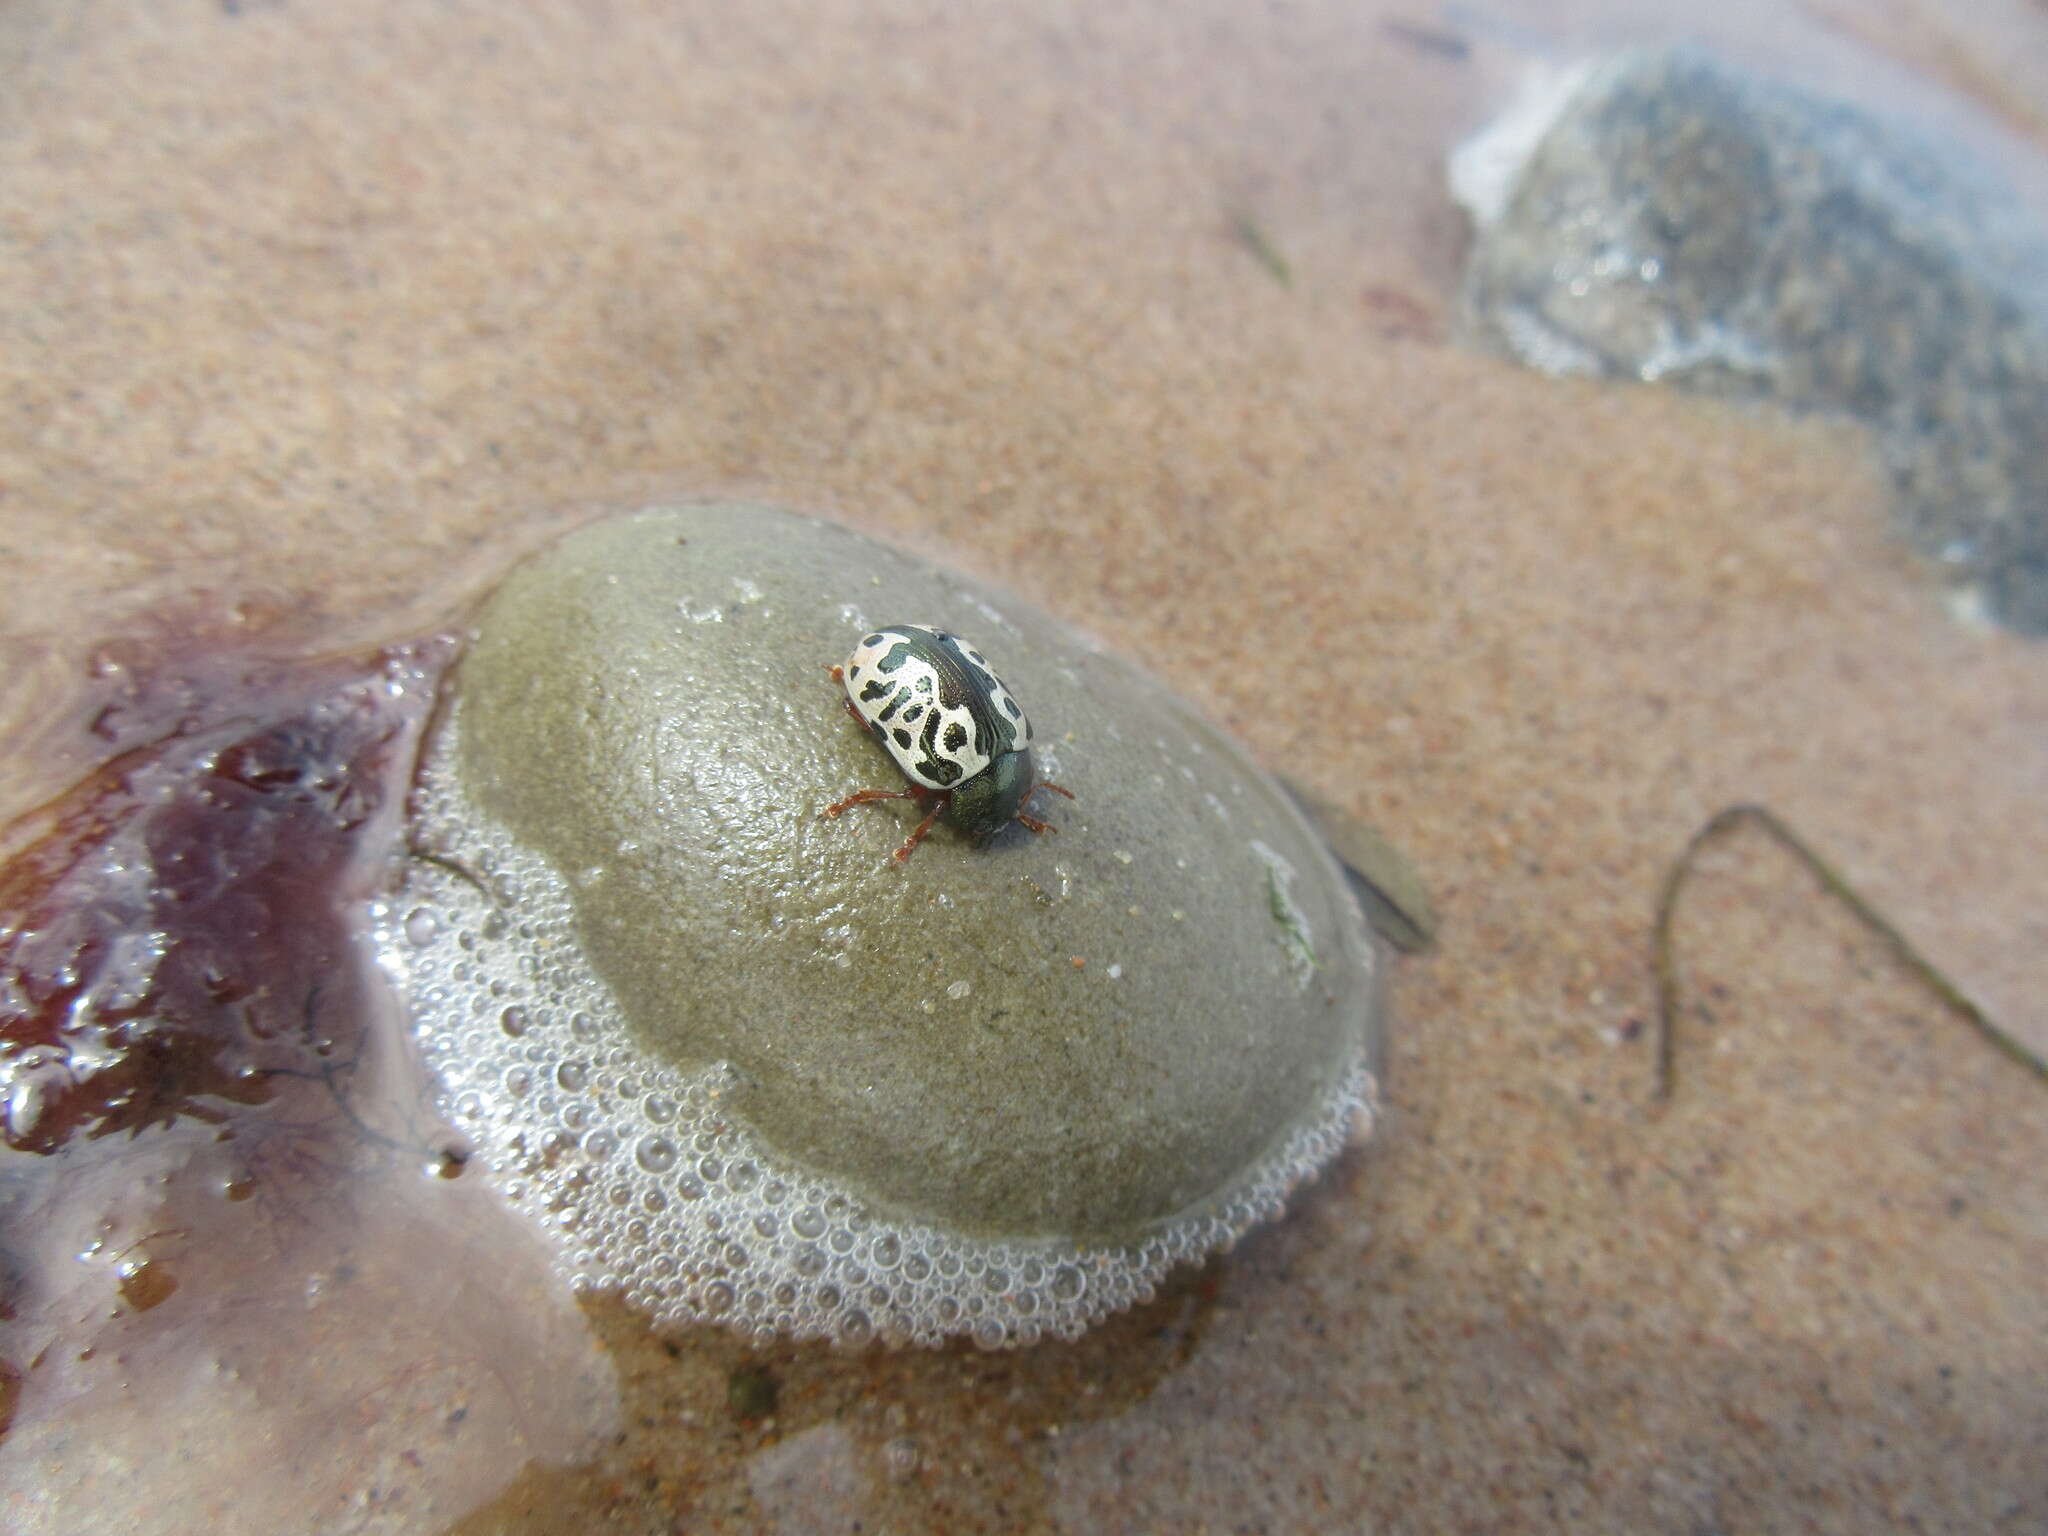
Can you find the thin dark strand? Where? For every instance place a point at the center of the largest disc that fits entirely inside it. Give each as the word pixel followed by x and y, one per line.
pixel 1259 245
pixel 1665 961
pixel 329 1073
pixel 453 867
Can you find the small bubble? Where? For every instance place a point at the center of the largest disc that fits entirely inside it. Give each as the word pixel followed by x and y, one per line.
pixel 514 1021
pixel 572 1075
pixel 422 927
pixel 900 1457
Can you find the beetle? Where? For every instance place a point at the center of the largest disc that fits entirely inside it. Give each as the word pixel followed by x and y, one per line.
pixel 953 730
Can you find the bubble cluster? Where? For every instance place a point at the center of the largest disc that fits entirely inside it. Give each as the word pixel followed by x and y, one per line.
pixel 649 1184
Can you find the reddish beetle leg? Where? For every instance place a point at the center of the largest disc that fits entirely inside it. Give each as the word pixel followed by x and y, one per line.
pixel 936 800
pixel 1032 821
pixel 839 677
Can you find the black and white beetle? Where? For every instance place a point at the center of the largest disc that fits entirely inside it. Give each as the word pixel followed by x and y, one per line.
pixel 951 728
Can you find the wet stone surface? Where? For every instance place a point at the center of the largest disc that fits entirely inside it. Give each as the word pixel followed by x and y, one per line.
pixel 1666 217
pixel 752 1067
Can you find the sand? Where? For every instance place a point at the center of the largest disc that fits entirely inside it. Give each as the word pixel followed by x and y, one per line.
pixel 312 317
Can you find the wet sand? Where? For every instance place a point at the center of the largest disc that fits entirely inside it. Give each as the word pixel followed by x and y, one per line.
pixel 314 317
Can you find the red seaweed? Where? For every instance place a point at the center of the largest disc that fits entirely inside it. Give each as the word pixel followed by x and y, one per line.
pixel 179 931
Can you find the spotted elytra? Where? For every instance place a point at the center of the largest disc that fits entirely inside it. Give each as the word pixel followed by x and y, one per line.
pixel 959 739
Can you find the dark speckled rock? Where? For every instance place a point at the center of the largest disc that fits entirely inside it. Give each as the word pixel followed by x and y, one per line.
pixel 1667 217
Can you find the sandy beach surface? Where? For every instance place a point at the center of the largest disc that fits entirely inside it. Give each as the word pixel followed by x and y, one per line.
pixel 314 317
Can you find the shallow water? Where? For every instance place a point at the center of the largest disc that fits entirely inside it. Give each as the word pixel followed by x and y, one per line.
pixel 316 319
